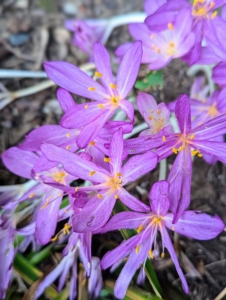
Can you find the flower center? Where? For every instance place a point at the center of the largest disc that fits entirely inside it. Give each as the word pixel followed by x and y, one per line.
pixel 201 9
pixel 115 182
pixel 170 49
pixel 212 110
pixel 59 176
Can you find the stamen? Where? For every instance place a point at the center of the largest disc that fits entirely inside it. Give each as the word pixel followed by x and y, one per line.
pixel 112 85
pixel 119 174
pixel 170 26
pixel 66 228
pixel 54 238
pixel 159 50
pixel 100 106
pixel 151 254
pixel 76 189
pixel 173 228
pixel 60 194
pixel 151 110
pixel 194 152
pixel 213 15
pixel 152 36
pixel 212 4
pixel 181 148
pixel 150 118
pixel 86 106
pixel 137 249
pixel 98 74
pixel 174 150
pixel 31 195
pixel 67 147
pixel 92 143
pixel 140 228
pixel 68 135
pixel 164 138
pixel 92 173
pixel 192 137
pixel 99 196
pixel 91 88
pixel 116 197
pixel 158 111
pixel 153 46
pixel 47 202
pixel 107 159
pixel 200 154
pixel 162 255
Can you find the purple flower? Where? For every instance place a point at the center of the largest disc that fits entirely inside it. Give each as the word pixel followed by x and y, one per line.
pixel 108 97
pixel 109 184
pixel 218 75
pixel 144 245
pixel 189 142
pixel 86 33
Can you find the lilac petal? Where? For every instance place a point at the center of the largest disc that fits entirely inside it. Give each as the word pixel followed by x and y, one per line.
pixel 115 151
pixel 63 276
pixel 183 114
pixel 52 134
pixel 119 252
pixel 133 263
pixel 218 75
pixel 65 99
pixel 48 216
pixel 103 65
pixel 159 63
pixel 215 149
pixel 151 6
pixel 74 80
pixel 158 197
pixel 85 252
pixel 221 101
pixel 210 129
pixel 145 103
pixel 94 214
pixel 73 282
pixel 75 165
pixel 180 183
pixel 128 108
pixel 42 164
pixel 121 50
pixel 138 165
pixel 128 69
pixel 168 244
pixel 19 162
pixel 196 225
pixel 127 220
pixel 140 32
pixel 132 202
pixel 90 131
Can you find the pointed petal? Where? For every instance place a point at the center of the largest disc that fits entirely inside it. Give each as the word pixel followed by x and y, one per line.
pixel 74 80
pixel 65 99
pixel 103 65
pixel 128 69
pixel 128 109
pixel 196 225
pixel 127 220
pixel 94 214
pixel 115 151
pixel 138 165
pixel 19 162
pixel 168 244
pixel 158 197
pixel 132 202
pixel 48 216
pixel 183 114
pixel 85 252
pixel 75 165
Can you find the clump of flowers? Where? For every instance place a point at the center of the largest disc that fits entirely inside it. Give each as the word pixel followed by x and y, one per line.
pixel 91 146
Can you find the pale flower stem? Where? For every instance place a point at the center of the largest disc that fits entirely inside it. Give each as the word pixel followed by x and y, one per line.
pixel 4 73
pixel 136 130
pixel 162 169
pixel 221 295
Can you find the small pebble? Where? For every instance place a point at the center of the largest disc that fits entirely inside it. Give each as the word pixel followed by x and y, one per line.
pixel 18 39
pixel 70 8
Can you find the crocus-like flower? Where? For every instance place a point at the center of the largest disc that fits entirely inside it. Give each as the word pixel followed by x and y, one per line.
pixel 109 184
pixel 109 96
pixel 86 33
pixel 189 142
pixel 193 224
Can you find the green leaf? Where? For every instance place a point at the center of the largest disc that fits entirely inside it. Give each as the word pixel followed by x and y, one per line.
pixel 153 79
pixel 38 257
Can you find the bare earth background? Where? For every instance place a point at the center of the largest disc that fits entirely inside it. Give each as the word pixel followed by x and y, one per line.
pixel 44 38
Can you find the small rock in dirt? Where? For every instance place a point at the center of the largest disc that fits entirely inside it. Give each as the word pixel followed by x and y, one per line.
pixel 70 8
pixel 18 39
pixel 61 35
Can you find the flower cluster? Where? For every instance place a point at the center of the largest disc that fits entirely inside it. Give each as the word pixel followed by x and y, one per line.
pixel 89 145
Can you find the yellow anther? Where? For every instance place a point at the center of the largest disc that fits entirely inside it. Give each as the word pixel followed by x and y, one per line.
pixel 171 44
pixel 119 174
pixel 31 195
pixel 67 147
pixel 112 85
pixel 54 238
pixel 140 228
pixel 213 15
pixel 60 194
pixel 92 143
pixel 152 36
pixel 158 111
pixel 150 118
pixel 86 106
pixel 68 135
pixel 153 46
pixel 194 152
pixel 174 150
pixel 200 155
pixel 66 228
pixel 151 110
pixel 107 159
pixel 181 148
pixel 100 106
pixel 212 4
pixel 66 210
pixel 192 137
pixel 98 74
pixel 99 196
pixel 159 50
pixel 92 173
pixel 163 138
pixel 47 202
pixel 173 228
pixel 162 255
pixel 137 249
pixel 151 254
pixel 170 26
pixel 91 88
pixel 116 196
pixel 76 189
pixel 84 281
